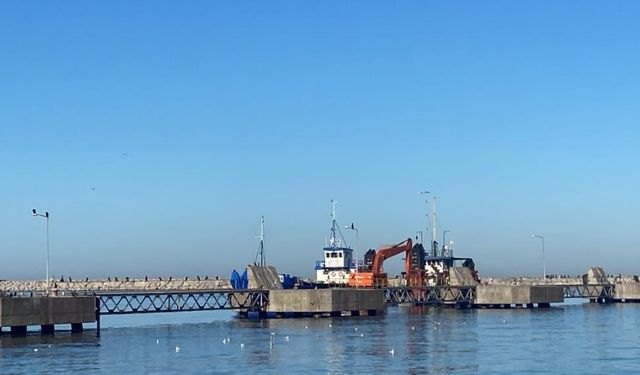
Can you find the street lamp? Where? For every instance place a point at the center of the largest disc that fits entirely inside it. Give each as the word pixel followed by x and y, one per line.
pixel 353 227
pixel 544 266
pixel 444 239
pixel 46 216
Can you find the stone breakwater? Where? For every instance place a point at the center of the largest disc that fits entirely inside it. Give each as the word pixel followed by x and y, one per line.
pixel 106 285
pixel 556 280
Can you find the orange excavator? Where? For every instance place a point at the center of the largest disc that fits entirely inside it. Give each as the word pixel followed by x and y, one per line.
pixel 375 276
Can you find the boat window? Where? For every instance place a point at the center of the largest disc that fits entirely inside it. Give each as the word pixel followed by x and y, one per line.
pixel 334 255
pixel 339 255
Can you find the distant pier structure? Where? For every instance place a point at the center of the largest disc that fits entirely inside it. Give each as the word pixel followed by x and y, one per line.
pixel 265 298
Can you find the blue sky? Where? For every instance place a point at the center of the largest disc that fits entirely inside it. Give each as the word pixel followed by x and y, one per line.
pixel 192 120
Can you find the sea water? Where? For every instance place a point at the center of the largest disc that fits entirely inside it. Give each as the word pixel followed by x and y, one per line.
pixel 564 339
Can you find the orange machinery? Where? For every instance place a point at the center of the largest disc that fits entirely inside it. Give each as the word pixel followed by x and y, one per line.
pixel 376 277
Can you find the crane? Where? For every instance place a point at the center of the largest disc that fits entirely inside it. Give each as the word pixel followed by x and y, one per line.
pixel 376 277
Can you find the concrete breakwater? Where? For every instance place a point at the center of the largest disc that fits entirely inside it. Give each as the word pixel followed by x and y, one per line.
pixel 183 283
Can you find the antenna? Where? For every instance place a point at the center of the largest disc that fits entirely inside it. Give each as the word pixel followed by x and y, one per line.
pixel 336 239
pixel 261 245
pixel 434 232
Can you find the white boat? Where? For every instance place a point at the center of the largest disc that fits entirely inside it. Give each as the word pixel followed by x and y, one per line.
pixel 338 260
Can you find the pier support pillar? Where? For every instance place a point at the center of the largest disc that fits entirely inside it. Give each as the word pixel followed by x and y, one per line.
pixel 18 330
pixel 76 327
pixel 530 305
pixel 544 304
pixel 47 329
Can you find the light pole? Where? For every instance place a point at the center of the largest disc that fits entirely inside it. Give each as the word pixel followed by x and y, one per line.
pixel 353 227
pixel 46 216
pixel 444 239
pixel 544 266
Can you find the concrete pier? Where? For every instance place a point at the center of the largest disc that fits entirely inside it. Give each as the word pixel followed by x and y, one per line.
pixel 506 296
pixel 627 292
pixel 18 312
pixel 331 302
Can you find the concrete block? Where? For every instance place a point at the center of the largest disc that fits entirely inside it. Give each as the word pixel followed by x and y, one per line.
pixel 325 300
pixel 263 277
pixel 517 294
pixel 595 275
pixel 25 311
pixel 629 291
pixel 461 276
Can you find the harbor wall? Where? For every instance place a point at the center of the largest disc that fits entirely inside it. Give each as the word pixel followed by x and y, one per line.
pixel 325 300
pixel 16 311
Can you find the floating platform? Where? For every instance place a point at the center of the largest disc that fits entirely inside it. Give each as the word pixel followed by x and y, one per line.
pixel 506 296
pixel 326 302
pixel 20 312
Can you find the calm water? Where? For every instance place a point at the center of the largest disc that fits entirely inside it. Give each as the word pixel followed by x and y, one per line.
pixel 580 338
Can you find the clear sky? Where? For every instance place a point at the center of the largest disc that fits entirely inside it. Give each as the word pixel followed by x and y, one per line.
pixel 192 119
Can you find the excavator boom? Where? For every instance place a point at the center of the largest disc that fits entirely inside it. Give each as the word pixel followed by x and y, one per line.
pixel 387 252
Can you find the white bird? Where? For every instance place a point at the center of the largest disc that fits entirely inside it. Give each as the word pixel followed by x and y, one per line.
pixel 362 335
pixel 224 341
pixel 305 327
pixel 392 352
pixel 286 338
pixel 273 333
pixel 157 341
pixel 438 323
pixel 177 349
pixel 413 328
pixel 504 321
pixel 228 339
pixel 241 346
pixel 35 350
pixel 435 327
pixel 330 326
pixel 356 328
pixel 49 346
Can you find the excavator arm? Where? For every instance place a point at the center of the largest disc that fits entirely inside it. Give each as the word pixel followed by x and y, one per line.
pixel 386 252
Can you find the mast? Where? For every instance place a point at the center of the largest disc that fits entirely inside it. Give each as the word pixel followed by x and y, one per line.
pixel 260 254
pixel 434 232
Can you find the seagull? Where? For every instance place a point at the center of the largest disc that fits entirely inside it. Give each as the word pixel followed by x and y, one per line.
pixel 241 346
pixel 273 333
pixel 305 327
pixel 224 341
pixel 362 335
pixel 177 349
pixel 392 352
pixel 35 350
pixel 330 326
pixel 157 341
pixel 504 321
pixel 286 338
pixel 413 328
pixel 356 328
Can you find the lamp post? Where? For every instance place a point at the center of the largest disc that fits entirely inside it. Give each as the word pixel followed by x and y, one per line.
pixel 353 227
pixel 46 216
pixel 544 266
pixel 444 239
